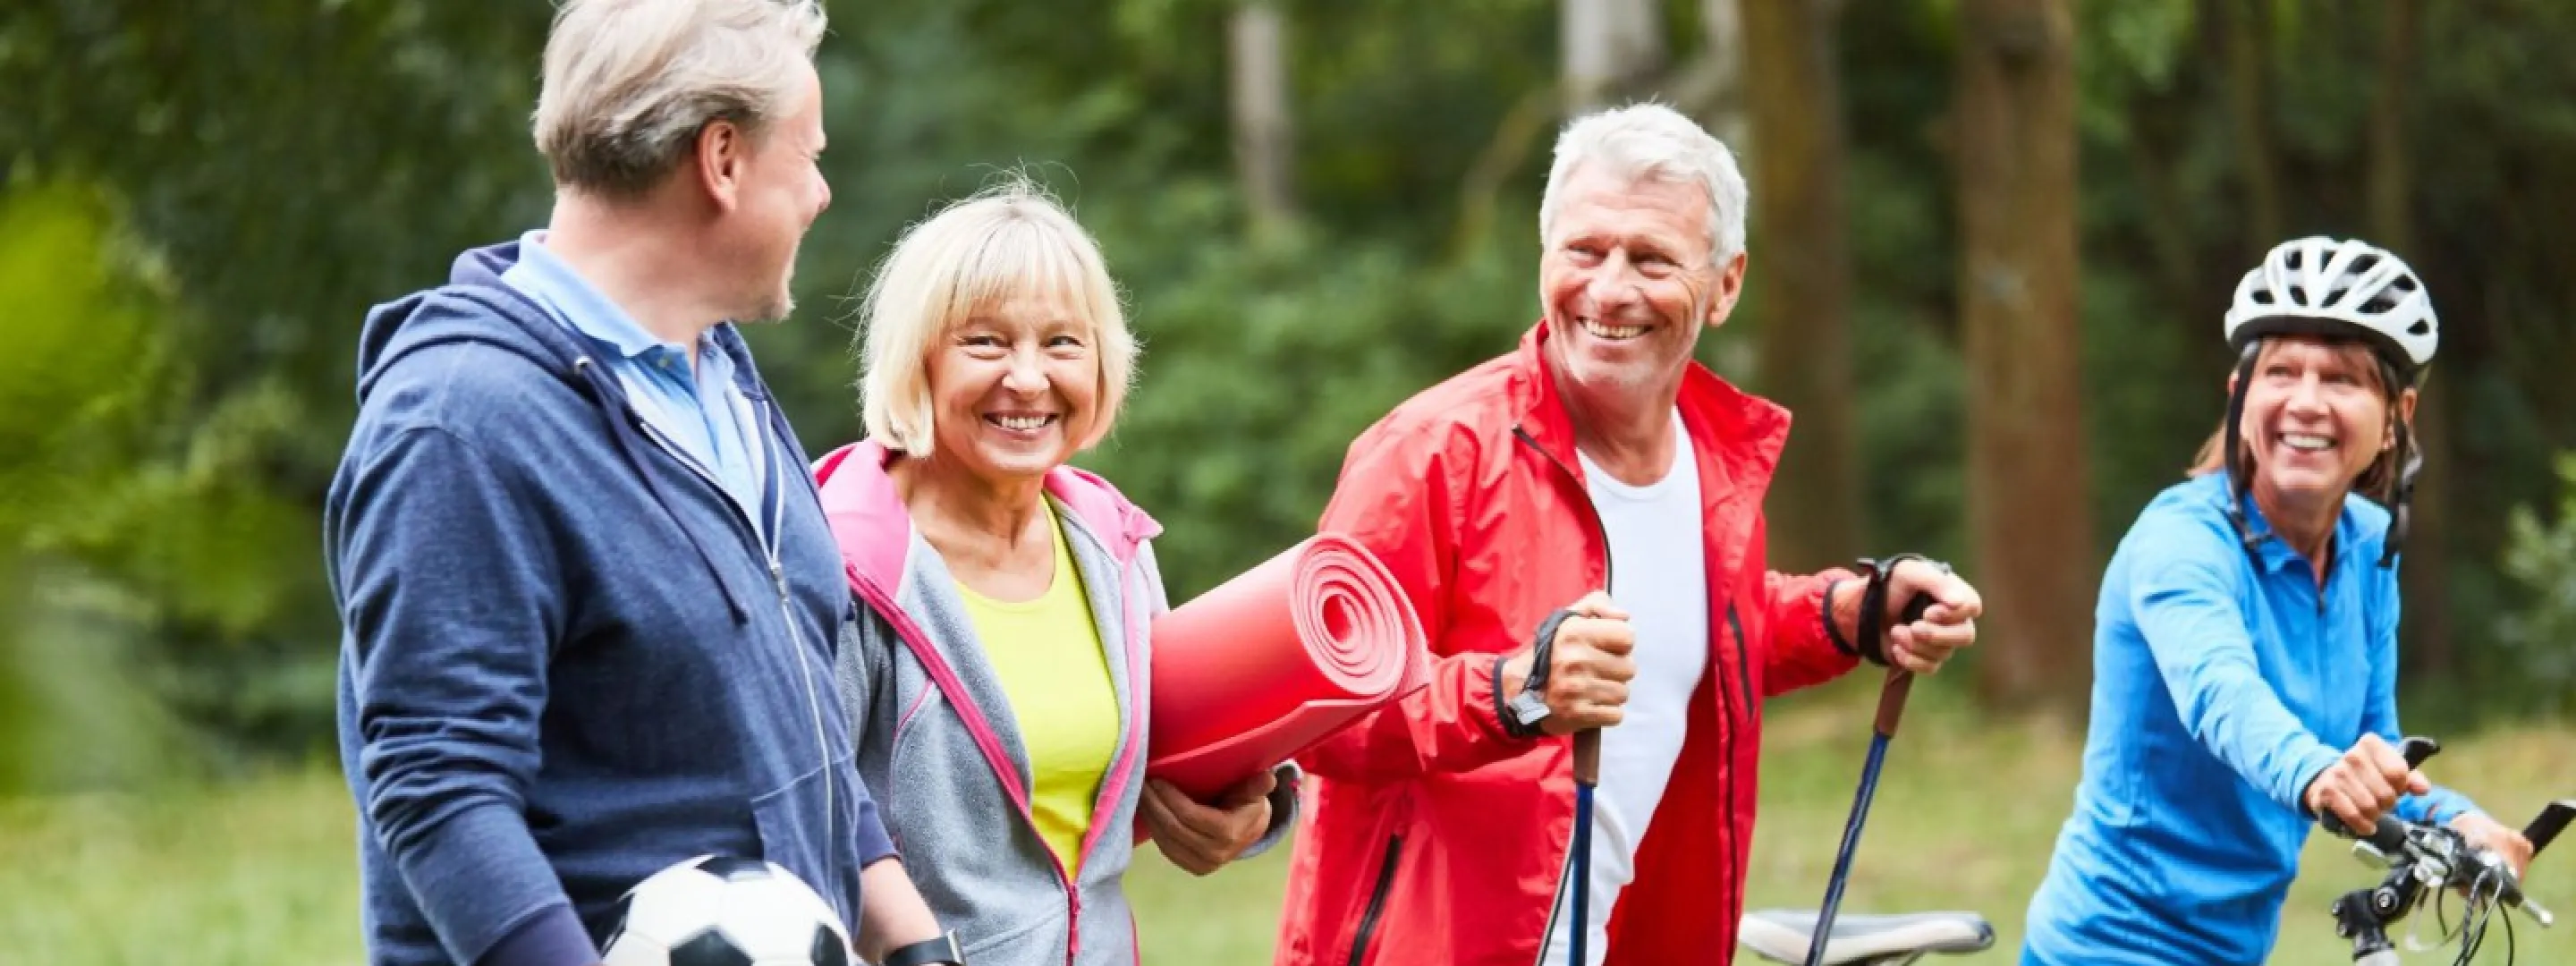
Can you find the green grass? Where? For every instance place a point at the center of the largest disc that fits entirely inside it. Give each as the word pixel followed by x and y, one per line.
pixel 1966 812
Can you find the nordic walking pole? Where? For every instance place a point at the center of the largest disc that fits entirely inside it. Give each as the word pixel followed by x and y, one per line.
pixel 1587 775
pixel 1891 708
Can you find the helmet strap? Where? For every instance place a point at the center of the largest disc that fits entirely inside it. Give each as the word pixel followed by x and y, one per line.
pixel 2410 461
pixel 2407 460
pixel 2239 475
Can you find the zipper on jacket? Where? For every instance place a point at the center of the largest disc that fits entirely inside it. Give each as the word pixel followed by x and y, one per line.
pixel 1599 527
pixel 1565 866
pixel 740 515
pixel 882 602
pixel 1726 773
pixel 768 550
pixel 1377 899
pixel 1743 664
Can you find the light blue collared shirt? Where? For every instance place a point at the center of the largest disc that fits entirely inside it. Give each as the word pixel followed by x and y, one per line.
pixel 705 415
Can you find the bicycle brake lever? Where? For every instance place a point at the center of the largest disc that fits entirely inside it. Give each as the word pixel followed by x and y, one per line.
pixel 2537 914
pixel 2553 819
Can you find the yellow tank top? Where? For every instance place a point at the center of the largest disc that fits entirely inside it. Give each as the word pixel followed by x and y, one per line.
pixel 1047 653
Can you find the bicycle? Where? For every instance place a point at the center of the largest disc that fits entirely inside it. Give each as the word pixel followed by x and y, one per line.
pixel 1781 936
pixel 2426 862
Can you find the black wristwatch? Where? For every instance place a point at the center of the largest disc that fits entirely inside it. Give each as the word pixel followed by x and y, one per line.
pixel 927 952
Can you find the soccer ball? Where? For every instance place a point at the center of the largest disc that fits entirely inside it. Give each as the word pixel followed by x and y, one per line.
pixel 723 911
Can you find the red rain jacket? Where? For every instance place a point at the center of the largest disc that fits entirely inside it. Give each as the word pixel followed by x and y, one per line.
pixel 1433 837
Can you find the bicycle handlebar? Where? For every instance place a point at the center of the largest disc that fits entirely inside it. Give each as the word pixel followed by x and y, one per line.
pixel 2420 855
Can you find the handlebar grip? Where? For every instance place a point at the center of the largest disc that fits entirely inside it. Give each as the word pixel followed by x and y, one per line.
pixel 2415 749
pixel 2389 837
pixel 2552 820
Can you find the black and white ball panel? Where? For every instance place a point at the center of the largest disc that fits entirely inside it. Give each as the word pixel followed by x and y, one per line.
pixel 725 911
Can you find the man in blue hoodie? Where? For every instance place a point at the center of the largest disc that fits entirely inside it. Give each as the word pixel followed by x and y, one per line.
pixel 590 600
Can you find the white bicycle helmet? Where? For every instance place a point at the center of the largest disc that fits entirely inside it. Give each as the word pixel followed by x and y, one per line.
pixel 2330 287
pixel 2319 286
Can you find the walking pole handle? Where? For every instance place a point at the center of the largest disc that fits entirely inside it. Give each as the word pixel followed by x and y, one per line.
pixel 1587 756
pixel 1900 682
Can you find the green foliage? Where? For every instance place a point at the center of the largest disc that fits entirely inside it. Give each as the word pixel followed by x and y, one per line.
pixel 2540 638
pixel 1264 363
pixel 252 176
pixel 79 387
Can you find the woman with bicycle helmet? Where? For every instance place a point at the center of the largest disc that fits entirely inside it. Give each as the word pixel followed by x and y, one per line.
pixel 2245 644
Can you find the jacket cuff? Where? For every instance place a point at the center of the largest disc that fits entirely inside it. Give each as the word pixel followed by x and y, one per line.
pixel 1485 704
pixel 874 843
pixel 1283 809
pixel 2314 763
pixel 553 937
pixel 478 877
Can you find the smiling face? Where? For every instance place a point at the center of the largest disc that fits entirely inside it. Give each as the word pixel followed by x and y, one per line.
pixel 2316 417
pixel 1627 281
pixel 1016 386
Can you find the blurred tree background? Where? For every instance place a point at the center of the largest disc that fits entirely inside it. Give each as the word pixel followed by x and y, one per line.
pixel 1991 242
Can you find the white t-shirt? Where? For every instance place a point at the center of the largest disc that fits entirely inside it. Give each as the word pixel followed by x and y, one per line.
pixel 1659 575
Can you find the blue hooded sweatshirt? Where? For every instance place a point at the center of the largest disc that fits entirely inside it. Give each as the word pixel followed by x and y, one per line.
pixel 570 659
pixel 2223 683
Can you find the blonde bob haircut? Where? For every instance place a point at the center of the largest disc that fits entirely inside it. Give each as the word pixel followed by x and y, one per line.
pixel 1007 240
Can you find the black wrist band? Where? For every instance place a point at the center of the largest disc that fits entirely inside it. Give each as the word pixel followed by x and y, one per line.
pixel 1834 632
pixel 943 950
pixel 1527 712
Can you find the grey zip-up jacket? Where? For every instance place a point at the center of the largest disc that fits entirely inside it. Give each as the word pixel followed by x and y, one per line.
pixel 939 747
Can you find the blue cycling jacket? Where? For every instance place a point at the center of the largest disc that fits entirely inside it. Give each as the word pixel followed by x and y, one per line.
pixel 2223 682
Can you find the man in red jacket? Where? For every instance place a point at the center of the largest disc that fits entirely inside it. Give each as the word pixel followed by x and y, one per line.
pixel 1588 508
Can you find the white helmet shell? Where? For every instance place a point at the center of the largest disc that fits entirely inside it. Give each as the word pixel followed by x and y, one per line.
pixel 2326 286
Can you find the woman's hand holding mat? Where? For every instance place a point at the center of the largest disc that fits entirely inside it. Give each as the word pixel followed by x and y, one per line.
pixel 1202 838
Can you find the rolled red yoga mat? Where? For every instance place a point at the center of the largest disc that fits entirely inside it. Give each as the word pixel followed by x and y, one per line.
pixel 1267 664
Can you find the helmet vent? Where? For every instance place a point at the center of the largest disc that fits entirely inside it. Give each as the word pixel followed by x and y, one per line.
pixel 2298 294
pixel 2364 263
pixel 2263 295
pixel 2421 327
pixel 2405 283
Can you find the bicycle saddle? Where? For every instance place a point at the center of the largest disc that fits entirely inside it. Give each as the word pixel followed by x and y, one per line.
pixel 1780 935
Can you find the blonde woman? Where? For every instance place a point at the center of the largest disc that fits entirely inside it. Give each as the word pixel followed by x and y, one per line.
pixel 998 681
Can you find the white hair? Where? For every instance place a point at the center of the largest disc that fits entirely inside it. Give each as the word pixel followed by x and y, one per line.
pixel 1643 141
pixel 1009 239
pixel 629 83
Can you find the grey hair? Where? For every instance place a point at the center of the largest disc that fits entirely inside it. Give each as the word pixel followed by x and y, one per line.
pixel 629 83
pixel 1653 141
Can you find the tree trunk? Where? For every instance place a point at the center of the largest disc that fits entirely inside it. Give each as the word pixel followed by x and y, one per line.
pixel 1802 265
pixel 2249 109
pixel 2028 487
pixel 2426 571
pixel 1722 28
pixel 1609 45
pixel 1263 148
